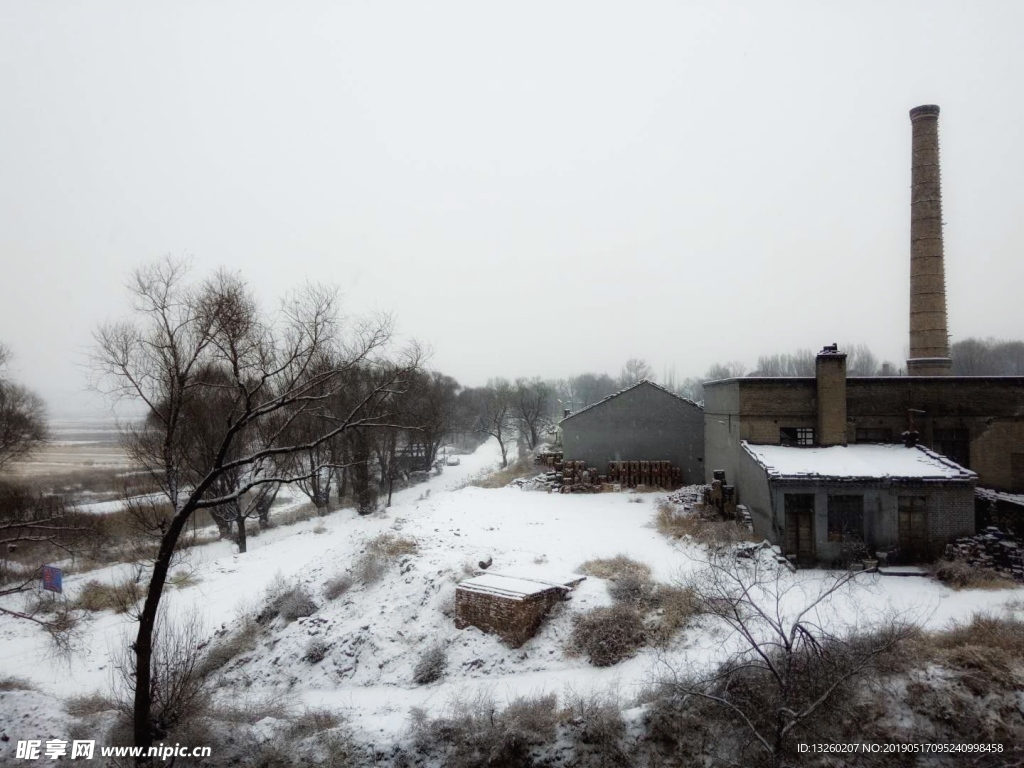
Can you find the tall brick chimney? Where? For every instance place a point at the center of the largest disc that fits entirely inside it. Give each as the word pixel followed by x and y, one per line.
pixel 929 339
pixel 830 373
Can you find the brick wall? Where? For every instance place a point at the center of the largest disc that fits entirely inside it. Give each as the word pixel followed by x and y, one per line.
pixel 514 620
pixel 990 408
pixel 830 373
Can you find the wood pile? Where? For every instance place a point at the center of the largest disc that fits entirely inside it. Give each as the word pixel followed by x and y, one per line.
pixel 577 477
pixel 993 549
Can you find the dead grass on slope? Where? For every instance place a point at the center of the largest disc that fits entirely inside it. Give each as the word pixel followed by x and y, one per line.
pixel 616 568
pixel 521 467
pixel 701 525
pixel 958 574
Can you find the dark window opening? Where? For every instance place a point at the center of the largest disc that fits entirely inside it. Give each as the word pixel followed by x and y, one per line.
pixel 954 444
pixel 1017 472
pixel 796 436
pixel 846 518
pixel 874 435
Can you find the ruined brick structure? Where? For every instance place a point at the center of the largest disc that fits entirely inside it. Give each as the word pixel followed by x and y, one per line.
pixel 512 608
pixel 929 338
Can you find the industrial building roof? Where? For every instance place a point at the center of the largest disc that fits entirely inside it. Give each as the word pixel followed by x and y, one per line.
pixel 862 461
pixel 624 391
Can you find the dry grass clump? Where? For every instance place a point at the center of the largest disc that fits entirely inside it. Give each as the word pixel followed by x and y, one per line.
pixel 961 575
pixel 230 646
pixel 295 515
pixel 616 568
pixel 90 704
pixel 521 467
pixel 702 526
pixel 119 597
pixel 1005 634
pixel 674 608
pixel 607 636
pixel 15 684
pixel 380 553
pixel 389 545
pixel 336 586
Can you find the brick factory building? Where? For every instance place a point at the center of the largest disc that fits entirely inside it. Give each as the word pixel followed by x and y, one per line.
pixel 645 422
pixel 976 421
pixel 843 502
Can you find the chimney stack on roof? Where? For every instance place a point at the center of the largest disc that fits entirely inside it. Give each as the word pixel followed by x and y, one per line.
pixel 830 374
pixel 929 338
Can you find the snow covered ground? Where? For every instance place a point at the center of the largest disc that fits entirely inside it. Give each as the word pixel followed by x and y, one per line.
pixel 375 634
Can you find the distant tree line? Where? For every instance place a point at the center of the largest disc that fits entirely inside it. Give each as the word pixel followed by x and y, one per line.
pixel 987 357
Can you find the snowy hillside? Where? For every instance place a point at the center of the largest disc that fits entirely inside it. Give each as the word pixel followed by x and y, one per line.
pixel 369 638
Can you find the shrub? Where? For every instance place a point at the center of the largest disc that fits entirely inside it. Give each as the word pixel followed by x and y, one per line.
pixel 597 729
pixel 294 604
pixel 477 733
pixel 337 586
pixel 431 665
pixel 960 575
pixel 316 650
pixel 607 635
pixel 311 722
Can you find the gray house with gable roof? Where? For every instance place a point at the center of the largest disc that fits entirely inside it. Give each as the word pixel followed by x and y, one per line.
pixel 644 422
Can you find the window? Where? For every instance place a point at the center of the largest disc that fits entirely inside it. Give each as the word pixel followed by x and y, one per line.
pixel 846 518
pixel 954 444
pixel 796 436
pixel 874 435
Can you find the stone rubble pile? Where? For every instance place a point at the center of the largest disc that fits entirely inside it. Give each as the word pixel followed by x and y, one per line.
pixel 992 549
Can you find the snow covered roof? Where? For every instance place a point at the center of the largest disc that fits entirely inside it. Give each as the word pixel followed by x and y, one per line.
pixel 993 495
pixel 624 391
pixel 864 461
pixel 514 587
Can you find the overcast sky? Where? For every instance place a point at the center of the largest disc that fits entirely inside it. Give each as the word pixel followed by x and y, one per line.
pixel 533 188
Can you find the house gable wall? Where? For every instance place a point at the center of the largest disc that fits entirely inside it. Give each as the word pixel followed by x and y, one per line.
pixel 645 423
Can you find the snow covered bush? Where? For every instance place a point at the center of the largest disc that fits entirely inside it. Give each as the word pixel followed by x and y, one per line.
pixel 607 636
pixel 316 650
pixel 615 568
pixel 337 586
pixel 295 604
pixel 431 665
pixel 380 553
pixel 477 733
pixel 959 574
pixel 597 728
pixel 632 589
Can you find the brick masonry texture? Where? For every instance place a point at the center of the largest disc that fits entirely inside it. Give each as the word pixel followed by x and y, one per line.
pixel 990 408
pixel 514 620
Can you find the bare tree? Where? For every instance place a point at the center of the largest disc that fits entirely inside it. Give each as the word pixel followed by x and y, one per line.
pixel 22 417
pixel 792 663
pixel 731 370
pixel 271 377
pixel 532 408
pixel 495 414
pixel 860 361
pixel 634 371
